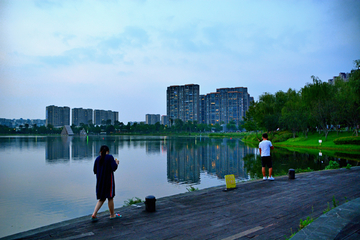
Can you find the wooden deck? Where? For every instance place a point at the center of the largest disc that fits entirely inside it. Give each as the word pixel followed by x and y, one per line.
pixel 254 210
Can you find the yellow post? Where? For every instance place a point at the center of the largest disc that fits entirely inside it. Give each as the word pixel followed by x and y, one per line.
pixel 230 181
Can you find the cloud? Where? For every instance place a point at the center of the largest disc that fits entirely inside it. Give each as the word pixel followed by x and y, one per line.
pixel 65 37
pixel 132 37
pixel 140 48
pixel 47 4
pixel 107 51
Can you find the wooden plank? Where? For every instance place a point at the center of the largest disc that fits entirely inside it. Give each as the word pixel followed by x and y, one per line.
pixel 244 233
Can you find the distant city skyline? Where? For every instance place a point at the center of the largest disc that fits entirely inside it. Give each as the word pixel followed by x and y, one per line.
pixel 121 55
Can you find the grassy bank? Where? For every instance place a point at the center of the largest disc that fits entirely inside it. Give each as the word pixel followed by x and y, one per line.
pixel 285 139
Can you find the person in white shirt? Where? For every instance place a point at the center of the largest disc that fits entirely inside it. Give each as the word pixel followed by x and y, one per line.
pixel 264 147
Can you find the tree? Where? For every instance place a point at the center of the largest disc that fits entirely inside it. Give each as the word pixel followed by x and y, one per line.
pixel 179 125
pixel 339 102
pixel 266 116
pixel 352 93
pixel 318 97
pixel 217 127
pixel 26 127
pixel 231 126
pixel 110 129
pixel 294 114
pixel 251 122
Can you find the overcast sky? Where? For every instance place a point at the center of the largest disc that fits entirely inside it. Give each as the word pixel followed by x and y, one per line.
pixel 122 55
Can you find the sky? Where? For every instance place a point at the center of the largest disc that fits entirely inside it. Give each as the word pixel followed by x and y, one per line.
pixel 122 55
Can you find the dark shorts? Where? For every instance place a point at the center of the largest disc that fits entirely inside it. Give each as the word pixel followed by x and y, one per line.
pixel 266 161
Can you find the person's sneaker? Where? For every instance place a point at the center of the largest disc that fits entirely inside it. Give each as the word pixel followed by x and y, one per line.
pixel 264 178
pixel 271 178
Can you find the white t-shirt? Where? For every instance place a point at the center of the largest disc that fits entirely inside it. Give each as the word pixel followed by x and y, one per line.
pixel 265 146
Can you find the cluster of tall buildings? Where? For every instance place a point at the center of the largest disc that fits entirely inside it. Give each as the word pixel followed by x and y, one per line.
pixel 60 116
pixel 184 102
pixel 223 106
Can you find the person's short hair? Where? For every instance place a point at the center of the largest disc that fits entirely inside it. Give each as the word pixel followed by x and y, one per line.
pixel 265 135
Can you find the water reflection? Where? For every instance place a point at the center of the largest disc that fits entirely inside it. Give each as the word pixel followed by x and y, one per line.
pixel 187 159
pixel 58 150
pixel 81 149
pixel 159 166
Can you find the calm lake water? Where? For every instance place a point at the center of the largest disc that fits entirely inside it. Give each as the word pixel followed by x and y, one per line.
pixel 45 180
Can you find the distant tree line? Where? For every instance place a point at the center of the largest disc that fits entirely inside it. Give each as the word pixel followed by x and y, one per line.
pixel 178 126
pixel 317 106
pixel 27 129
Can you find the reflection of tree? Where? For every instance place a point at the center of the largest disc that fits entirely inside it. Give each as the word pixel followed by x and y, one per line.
pixel 253 165
pixel 284 159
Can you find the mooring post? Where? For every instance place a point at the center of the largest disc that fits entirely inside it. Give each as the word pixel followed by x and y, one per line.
pixel 150 203
pixel 291 174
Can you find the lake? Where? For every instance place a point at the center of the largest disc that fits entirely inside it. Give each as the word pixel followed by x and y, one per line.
pixel 45 180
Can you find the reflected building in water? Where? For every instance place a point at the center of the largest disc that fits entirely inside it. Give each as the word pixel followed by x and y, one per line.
pixel 81 148
pixel 182 162
pixel 58 149
pixel 225 157
pixel 153 147
pixel 113 146
pixel 215 157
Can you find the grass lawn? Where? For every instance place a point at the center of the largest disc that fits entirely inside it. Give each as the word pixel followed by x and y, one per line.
pixel 312 142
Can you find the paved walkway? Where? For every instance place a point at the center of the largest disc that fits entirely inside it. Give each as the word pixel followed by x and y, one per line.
pixel 254 210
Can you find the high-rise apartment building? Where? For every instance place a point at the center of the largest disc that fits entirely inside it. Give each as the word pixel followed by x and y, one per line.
pixel 80 115
pixel 212 108
pixel 102 116
pixel 202 109
pixel 57 116
pixel 152 118
pixel 183 102
pixel 164 120
pixel 234 102
pixel 223 106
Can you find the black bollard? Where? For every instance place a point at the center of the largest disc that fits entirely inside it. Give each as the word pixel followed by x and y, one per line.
pixel 150 203
pixel 291 174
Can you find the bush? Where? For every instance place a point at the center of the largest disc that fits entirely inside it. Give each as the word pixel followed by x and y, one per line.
pixel 306 222
pixel 282 137
pixel 252 138
pixel 348 166
pixel 192 189
pixel 333 165
pixel 132 201
pixel 347 140
pixel 300 170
